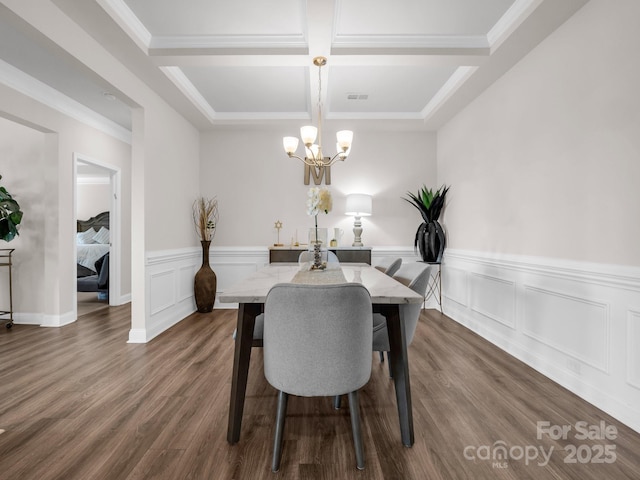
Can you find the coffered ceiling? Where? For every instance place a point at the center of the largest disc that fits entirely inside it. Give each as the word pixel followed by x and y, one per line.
pixel 413 63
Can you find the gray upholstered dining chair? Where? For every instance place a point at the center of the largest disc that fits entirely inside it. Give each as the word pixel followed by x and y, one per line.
pixel 389 265
pixel 416 276
pixel 307 256
pixel 317 342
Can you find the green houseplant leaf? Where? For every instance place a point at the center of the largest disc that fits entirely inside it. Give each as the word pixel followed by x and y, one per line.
pixel 10 215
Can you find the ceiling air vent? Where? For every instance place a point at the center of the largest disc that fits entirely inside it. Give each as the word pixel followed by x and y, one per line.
pixel 357 96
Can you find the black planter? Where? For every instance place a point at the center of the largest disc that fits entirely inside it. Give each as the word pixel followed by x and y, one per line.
pixel 430 241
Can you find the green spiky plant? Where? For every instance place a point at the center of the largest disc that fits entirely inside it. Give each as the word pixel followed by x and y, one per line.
pixel 10 215
pixel 430 238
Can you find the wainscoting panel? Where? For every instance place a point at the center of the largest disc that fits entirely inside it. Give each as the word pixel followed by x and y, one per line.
pixel 455 281
pixel 577 323
pixel 576 326
pixel 164 283
pixel 186 275
pixel 170 277
pixel 633 348
pixel 494 298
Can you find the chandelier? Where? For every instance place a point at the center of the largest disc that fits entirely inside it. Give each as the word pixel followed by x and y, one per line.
pixel 313 151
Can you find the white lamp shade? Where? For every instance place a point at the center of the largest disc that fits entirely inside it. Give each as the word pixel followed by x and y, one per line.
pixel 308 134
pixel 344 137
pixel 358 205
pixel 312 151
pixel 290 144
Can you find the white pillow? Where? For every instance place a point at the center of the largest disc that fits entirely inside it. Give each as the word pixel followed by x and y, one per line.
pixel 102 236
pixel 86 237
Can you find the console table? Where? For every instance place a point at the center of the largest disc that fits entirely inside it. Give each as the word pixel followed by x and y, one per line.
pixel 344 254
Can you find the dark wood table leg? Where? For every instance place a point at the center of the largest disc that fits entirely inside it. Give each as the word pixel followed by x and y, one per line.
pixel 247 313
pixel 399 364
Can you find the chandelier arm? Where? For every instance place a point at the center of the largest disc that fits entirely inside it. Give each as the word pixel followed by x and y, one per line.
pixel 335 159
pixel 304 160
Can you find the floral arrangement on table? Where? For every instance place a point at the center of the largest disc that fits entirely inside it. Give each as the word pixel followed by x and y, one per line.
pixel 318 200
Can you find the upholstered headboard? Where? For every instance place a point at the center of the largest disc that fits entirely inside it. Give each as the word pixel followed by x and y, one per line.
pixel 100 220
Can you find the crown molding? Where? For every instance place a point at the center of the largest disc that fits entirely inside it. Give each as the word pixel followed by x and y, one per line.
pixel 510 21
pixel 258 42
pixel 120 12
pixel 455 81
pixel 177 76
pixel 464 42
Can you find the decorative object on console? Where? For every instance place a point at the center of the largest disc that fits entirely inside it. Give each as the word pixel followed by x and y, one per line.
pixel 205 218
pixel 10 215
pixel 318 200
pixel 430 238
pixel 358 205
pixel 337 235
pixel 278 226
pixel 314 159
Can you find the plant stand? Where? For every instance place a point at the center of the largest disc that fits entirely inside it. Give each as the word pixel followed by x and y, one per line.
pixel 435 284
pixel 6 261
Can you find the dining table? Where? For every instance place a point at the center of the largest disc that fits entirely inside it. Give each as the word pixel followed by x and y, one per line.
pixel 386 293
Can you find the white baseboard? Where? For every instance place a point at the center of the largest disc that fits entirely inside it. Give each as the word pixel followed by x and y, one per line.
pixel 43 320
pixel 576 323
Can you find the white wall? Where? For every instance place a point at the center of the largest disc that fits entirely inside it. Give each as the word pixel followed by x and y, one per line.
pixel 50 184
pixel 172 165
pixel 256 184
pixel 21 158
pixel 92 199
pixel 545 162
pixel 542 218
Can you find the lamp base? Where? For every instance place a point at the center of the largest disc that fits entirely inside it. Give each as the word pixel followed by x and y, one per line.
pixel 357 233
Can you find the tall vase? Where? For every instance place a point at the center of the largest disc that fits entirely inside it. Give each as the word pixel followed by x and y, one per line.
pixel 205 282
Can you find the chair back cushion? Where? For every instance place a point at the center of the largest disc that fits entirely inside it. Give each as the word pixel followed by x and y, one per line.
pixel 416 276
pixel 317 339
pixel 389 265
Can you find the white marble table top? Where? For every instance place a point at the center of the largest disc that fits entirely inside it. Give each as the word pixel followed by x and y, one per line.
pixel 383 289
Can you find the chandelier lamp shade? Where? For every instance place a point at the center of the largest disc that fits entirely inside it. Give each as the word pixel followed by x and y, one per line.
pixel 314 156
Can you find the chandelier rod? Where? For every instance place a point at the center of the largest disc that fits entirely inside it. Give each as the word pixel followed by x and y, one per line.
pixel 319 61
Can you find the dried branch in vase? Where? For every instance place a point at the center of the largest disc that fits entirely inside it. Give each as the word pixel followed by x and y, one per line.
pixel 205 217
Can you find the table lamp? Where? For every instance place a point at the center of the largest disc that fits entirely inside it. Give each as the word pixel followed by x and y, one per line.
pixel 358 205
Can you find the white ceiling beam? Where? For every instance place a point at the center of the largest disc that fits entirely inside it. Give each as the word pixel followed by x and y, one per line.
pixel 320 15
pixel 378 60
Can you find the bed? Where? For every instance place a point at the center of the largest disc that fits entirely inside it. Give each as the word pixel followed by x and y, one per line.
pixel 92 240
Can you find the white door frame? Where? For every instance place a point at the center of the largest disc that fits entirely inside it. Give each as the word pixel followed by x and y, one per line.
pixel 115 229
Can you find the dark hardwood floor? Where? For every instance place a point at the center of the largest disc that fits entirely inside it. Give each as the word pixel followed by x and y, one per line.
pixel 78 402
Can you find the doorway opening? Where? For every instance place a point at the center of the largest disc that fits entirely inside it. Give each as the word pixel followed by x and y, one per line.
pixel 98 240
